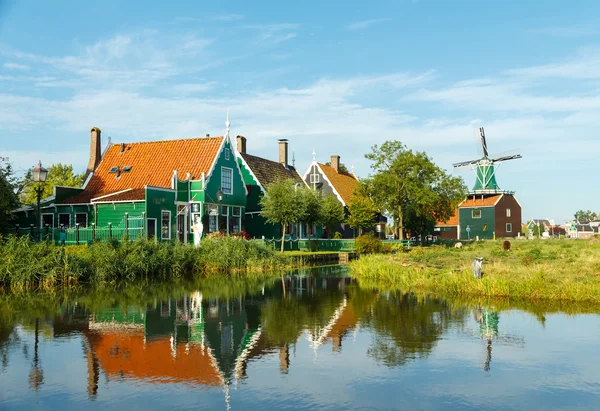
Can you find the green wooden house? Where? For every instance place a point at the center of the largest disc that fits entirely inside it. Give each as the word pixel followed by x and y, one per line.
pixel 258 173
pixel 171 189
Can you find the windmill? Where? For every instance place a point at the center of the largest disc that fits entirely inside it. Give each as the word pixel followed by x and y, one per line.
pixel 485 168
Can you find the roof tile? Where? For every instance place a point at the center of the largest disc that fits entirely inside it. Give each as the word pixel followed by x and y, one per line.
pixel 344 184
pixel 268 171
pixel 487 201
pixel 152 163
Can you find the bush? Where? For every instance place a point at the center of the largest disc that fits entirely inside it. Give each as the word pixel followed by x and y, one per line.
pixel 368 244
pixel 337 235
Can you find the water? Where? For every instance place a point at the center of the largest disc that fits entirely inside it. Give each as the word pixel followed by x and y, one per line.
pixel 325 344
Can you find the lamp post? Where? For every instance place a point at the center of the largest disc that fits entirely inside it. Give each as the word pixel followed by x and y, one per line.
pixel 219 196
pixel 38 175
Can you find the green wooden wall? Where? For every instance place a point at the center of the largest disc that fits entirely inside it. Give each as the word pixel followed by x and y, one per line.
pixel 238 197
pixel 115 213
pixel 477 224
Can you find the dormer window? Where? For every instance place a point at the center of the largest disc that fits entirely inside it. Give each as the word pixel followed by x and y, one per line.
pixel 226 154
pixel 126 169
pixel 114 170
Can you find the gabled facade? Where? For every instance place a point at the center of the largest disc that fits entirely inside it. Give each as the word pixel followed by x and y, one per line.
pixel 258 173
pixel 331 180
pixel 173 189
pixel 483 216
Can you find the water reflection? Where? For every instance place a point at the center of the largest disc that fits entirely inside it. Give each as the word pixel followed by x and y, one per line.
pixel 206 335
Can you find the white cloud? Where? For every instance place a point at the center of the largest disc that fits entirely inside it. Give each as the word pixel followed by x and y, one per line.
pixel 15 66
pixel 271 34
pixel 360 25
pixel 229 17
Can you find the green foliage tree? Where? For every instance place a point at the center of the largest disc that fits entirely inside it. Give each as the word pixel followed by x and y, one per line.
pixel 283 204
pixel 408 185
pixel 585 216
pixel 8 193
pixel 343 168
pixel 362 212
pixel 58 175
pixel 333 213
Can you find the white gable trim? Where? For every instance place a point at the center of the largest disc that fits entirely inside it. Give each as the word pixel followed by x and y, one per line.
pixel 498 200
pixel 214 164
pixel 314 163
pixel 238 155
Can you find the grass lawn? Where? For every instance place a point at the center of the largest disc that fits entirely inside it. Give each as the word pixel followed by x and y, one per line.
pixel 565 270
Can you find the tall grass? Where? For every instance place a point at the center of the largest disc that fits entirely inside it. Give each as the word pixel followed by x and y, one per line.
pixel 539 270
pixel 26 265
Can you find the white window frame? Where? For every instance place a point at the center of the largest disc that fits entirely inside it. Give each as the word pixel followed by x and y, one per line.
pixel 86 219
pixel 69 219
pixel 226 154
pixel 315 178
pixel 231 182
pixel 162 212
pixel 508 212
pixel 509 225
pixel 473 213
pixel 42 221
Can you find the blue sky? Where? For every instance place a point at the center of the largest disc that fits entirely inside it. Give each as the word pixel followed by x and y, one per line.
pixel 331 75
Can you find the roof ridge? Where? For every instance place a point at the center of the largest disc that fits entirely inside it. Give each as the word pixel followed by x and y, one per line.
pixel 171 140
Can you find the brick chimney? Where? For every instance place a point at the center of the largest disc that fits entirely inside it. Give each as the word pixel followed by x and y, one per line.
pixel 335 163
pixel 241 144
pixel 283 152
pixel 95 150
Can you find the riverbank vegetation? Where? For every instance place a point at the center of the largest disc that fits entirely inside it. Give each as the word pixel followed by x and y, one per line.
pixel 564 270
pixel 28 265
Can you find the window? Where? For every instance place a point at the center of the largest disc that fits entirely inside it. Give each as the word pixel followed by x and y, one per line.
pixel 508 227
pixel 165 225
pixel 81 219
pixel 226 154
pixel 314 178
pixel 226 180
pixel 114 170
pixel 476 214
pixel 48 220
pixel 64 220
pixel 126 169
pixel 508 212
pixel 223 219
pixel 213 217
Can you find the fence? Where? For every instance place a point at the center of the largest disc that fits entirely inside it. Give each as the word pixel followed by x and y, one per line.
pixel 78 235
pixel 348 246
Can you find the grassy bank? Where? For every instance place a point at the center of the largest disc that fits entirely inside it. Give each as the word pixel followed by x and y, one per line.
pixel 565 270
pixel 26 265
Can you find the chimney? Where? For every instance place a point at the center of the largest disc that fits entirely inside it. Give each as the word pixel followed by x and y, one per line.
pixel 335 163
pixel 283 152
pixel 95 152
pixel 241 144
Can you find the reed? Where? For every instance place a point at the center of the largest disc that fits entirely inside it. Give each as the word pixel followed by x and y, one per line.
pixel 27 265
pixel 562 270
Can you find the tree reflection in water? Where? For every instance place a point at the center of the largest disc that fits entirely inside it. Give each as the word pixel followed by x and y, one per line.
pixel 407 328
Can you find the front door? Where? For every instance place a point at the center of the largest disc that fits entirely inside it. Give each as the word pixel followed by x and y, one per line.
pixel 151 228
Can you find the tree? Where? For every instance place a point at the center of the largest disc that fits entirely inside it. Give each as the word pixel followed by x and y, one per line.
pixel 343 168
pixel 8 192
pixel 333 213
pixel 283 204
pixel 409 185
pixel 362 212
pixel 585 216
pixel 313 207
pixel 58 175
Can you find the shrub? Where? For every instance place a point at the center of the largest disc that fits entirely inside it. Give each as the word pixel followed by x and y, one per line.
pixel 337 235
pixel 368 244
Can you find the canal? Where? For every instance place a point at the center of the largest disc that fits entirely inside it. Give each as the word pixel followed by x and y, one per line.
pixel 314 340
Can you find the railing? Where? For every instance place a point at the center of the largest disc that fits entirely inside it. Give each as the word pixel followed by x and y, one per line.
pixel 295 244
pixel 78 235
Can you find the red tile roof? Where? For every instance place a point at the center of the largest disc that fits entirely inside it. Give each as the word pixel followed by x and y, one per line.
pixel 152 163
pixel 452 221
pixel 487 201
pixel 343 183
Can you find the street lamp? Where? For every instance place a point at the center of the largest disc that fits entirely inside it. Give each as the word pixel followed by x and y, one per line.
pixel 38 175
pixel 220 195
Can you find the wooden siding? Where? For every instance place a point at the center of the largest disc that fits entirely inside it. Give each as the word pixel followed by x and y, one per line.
pixel 476 224
pixel 238 198
pixel 447 232
pixel 156 202
pixel 114 213
pixel 508 201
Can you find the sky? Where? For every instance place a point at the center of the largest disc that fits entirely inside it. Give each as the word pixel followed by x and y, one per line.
pixel 333 76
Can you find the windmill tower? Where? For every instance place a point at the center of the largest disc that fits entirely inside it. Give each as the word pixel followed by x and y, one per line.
pixel 487 212
pixel 485 168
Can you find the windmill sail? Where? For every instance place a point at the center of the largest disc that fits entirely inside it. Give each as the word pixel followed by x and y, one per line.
pixel 483 142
